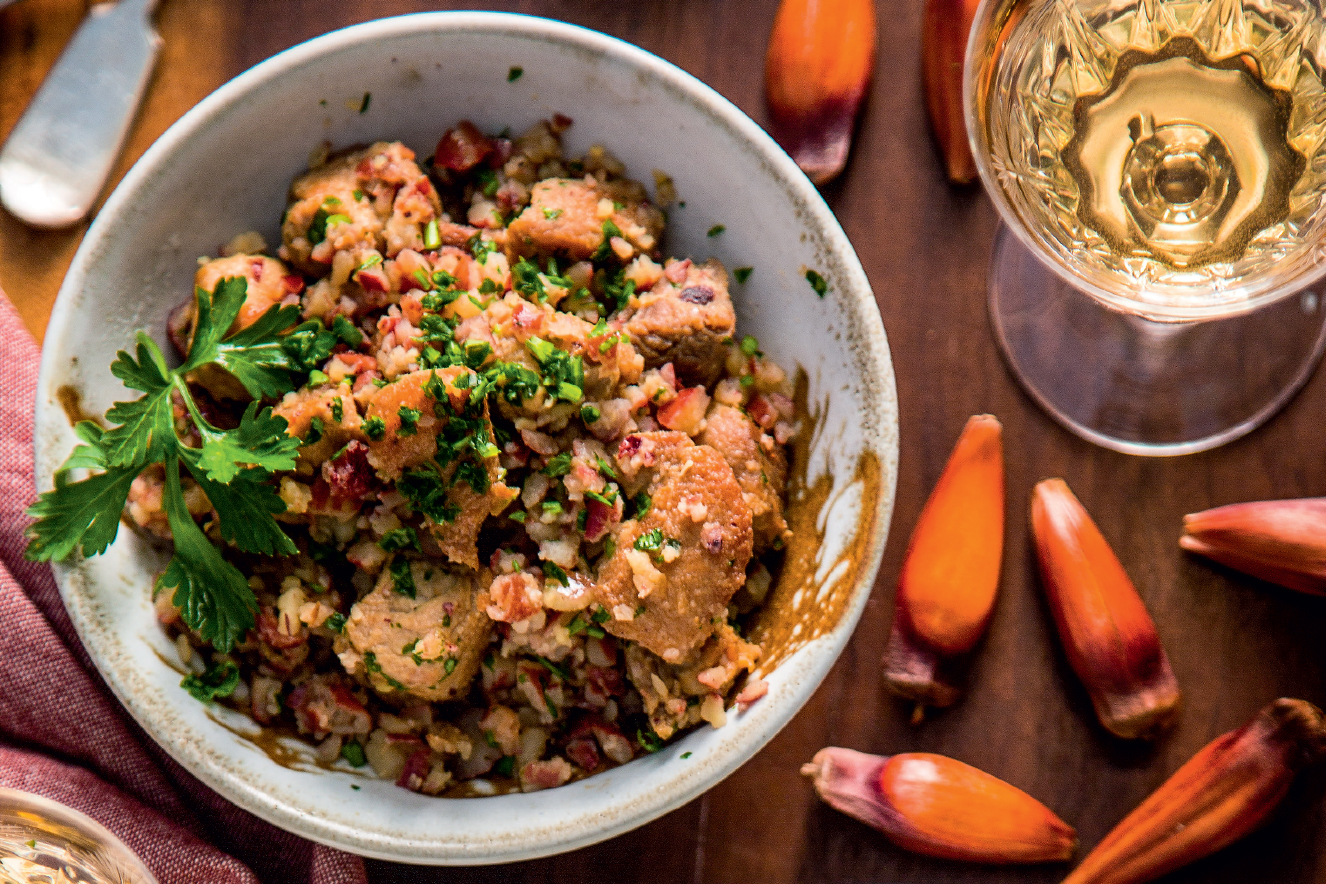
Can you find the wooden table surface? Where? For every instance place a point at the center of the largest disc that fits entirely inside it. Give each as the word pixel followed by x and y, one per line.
pixel 1235 643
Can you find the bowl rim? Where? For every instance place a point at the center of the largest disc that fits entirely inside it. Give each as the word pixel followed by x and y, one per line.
pixel 861 305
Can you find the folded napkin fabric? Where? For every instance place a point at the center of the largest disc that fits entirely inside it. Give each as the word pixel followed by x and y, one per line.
pixel 64 736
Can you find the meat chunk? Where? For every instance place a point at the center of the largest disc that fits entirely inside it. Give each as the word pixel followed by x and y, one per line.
pixel 419 632
pixel 324 417
pixel 673 572
pixel 430 448
pixel 366 198
pixel 566 219
pixel 761 470
pixel 686 322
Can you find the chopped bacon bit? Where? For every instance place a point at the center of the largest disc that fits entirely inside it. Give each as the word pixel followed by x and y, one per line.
pixel 323 708
pixel 686 411
pixel 762 411
pixel 545 774
pixel 462 148
pixel 349 476
pixel 293 282
pixel 584 753
pixel 415 771
pixel 358 362
pixel 526 320
pixel 514 597
pixel 599 516
pixel 374 280
pixel 363 380
pixel 606 681
pixel 676 271
pixel 754 690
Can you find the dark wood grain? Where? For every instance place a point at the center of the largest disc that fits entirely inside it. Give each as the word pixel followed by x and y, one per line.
pixel 1234 643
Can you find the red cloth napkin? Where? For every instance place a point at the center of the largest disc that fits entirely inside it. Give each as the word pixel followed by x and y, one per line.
pixel 63 734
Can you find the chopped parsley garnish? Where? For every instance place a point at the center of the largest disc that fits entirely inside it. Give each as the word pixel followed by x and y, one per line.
pixel 750 346
pixel 480 248
pixel 552 214
pixel 346 332
pixel 741 274
pixel 220 680
pixel 432 238
pixel 375 428
pixel 590 413
pixel 716 230
pixel 372 260
pixel 517 516
pixel 409 418
pixel 514 74
pixel 650 541
pixel 336 622
pixel 488 182
pixel 353 752
pixel 817 282
pixel 552 506
pixel 372 665
pixel 604 467
pixel 402 579
pixel 643 504
pixel 363 105
pixel 316 428
pixel 648 741
pixel 232 467
pixel 399 538
pixel 505 766
pixel 558 465
pixel 553 572
pixel 685 755
pixel 561 672
pixel 563 374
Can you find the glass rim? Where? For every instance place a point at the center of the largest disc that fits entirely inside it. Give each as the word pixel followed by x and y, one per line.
pixel 1252 294
pixel 63 814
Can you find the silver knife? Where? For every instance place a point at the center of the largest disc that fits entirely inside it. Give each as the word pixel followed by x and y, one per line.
pixel 61 151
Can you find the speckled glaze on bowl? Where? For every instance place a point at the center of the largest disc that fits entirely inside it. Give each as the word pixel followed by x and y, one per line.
pixel 224 168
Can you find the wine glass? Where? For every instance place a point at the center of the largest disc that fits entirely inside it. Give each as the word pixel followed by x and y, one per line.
pixel 1160 169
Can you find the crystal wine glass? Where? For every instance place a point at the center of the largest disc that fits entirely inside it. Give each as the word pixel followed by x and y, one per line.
pixel 1161 165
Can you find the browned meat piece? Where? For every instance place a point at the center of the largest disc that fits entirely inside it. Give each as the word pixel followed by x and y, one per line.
pixel 371 197
pixel 336 413
pixel 396 450
pixel 427 645
pixel 565 219
pixel 674 571
pixel 686 322
pixel 761 471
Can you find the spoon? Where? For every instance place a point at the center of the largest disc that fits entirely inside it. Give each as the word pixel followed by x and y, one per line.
pixel 62 149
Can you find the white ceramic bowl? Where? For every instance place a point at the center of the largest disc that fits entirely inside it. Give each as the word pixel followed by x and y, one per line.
pixel 225 167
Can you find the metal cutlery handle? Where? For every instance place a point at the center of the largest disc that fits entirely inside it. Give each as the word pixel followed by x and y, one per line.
pixel 62 149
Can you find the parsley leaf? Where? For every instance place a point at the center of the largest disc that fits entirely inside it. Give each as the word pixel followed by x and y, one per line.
pixel 220 680
pixel 232 467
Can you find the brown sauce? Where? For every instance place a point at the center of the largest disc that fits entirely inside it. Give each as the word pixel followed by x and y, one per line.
pixel 796 610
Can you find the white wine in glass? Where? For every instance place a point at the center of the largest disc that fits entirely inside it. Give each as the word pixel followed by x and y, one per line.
pixel 1162 167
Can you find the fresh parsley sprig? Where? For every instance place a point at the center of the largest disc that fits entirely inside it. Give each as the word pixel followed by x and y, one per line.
pixel 232 467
